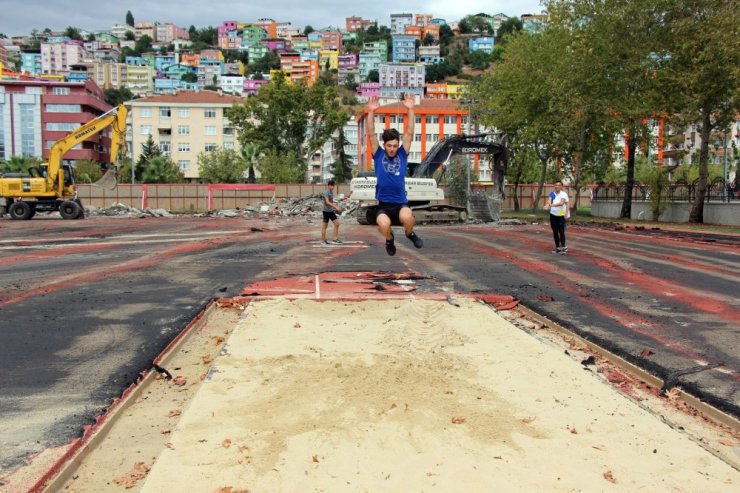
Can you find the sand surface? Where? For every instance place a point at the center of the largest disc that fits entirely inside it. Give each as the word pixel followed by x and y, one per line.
pixel 414 395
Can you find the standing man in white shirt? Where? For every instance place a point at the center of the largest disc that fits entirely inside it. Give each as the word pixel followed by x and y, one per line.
pixel 558 203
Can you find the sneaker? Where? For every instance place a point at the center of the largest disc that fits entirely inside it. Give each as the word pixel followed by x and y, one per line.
pixel 563 250
pixel 337 241
pixel 390 246
pixel 415 240
pixel 325 242
pixel 557 250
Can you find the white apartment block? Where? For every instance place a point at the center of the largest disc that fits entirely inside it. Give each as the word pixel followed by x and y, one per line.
pixel 183 125
pixel 56 58
pixel 400 21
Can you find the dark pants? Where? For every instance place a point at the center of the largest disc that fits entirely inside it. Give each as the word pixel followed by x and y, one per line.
pixel 557 223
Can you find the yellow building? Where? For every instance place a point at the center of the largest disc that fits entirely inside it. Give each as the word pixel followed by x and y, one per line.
pixel 332 56
pixel 140 79
pixel 183 125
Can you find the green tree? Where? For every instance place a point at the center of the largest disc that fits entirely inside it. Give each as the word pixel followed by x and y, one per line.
pixel 288 119
pixel 87 171
pixel 130 36
pixel 161 169
pixel 703 73
pixel 129 18
pixel 73 33
pixel 282 167
pixel 149 150
pixel 350 82
pixel 189 77
pixel 17 164
pixel 143 44
pixel 271 61
pixel 251 156
pixel 308 30
pixel 373 76
pixel 509 26
pixel 221 166
pixel 114 97
pixel 342 166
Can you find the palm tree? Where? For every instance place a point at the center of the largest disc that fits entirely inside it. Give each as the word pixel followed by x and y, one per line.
pixel 17 164
pixel 251 156
pixel 161 170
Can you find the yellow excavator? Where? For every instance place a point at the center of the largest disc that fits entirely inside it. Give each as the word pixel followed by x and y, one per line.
pixel 51 186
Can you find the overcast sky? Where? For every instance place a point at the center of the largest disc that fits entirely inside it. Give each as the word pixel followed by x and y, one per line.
pixel 19 17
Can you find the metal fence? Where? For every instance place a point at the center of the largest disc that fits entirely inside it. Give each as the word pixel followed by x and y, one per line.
pixel 716 191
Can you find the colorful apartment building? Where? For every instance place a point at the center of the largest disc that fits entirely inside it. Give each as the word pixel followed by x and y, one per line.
pixel 308 71
pixel 331 40
pixel 139 79
pixel 183 125
pixel 328 59
pixel 414 31
pixel 400 21
pixel 109 75
pixel 369 61
pixel 431 30
pixel 299 42
pixel 423 19
pixel 404 48
pixel 191 59
pixel 352 24
pixel 252 86
pixel 30 62
pixel 34 114
pixel 429 55
pixel 442 90
pixel 269 26
pixel 56 58
pixel 434 120
pixel 348 61
pixel 483 43
pixel 367 90
pixel 167 33
pixel 398 79
pixel 314 40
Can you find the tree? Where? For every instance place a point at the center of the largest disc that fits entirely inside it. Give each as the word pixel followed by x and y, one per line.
pixel 114 97
pixel 87 171
pixel 271 61
pixel 251 156
pixel 17 164
pixel 143 44
pixel 189 77
pixel 73 33
pixel 221 166
pixel 373 76
pixel 161 169
pixel 149 150
pixel 350 82
pixel 342 166
pixel 509 26
pixel 130 36
pixel 129 18
pixel 287 167
pixel 308 30
pixel 703 73
pixel 290 120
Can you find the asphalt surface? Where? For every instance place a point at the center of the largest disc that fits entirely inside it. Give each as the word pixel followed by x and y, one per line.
pixel 85 306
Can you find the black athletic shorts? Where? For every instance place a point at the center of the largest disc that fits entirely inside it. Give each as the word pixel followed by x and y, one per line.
pixel 391 210
pixel 329 216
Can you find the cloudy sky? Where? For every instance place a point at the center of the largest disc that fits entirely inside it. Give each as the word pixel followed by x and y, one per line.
pixel 21 16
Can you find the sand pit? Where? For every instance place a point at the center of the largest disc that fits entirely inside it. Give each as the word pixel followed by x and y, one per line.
pixel 414 395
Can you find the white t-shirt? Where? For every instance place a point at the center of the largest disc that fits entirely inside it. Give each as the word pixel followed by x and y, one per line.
pixel 559 210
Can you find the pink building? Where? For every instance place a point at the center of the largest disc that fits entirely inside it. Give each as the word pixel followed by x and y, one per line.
pixel 252 87
pixel 347 61
pixel 40 112
pixel 368 89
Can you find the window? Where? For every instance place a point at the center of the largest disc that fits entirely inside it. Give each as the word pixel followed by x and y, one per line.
pixel 145 129
pixel 165 112
pixel 146 112
pixel 432 119
pixel 61 91
pixel 209 113
pixel 165 147
pixel 228 130
pixel 417 137
pixel 417 119
pixel 183 130
pixel 183 112
pixel 184 164
pixel 228 145
pixel 63 108
pixel 449 119
pixel 183 147
pixel 2 134
pixel 429 137
pixel 27 126
pixel 62 127
pixel 210 147
pixel 210 130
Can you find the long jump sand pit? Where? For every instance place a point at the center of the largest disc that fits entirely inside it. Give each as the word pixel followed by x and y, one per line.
pixel 414 395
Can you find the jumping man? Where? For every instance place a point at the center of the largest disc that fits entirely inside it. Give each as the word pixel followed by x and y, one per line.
pixel 390 163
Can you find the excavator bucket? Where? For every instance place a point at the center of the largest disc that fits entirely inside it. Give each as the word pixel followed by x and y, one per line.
pixel 108 180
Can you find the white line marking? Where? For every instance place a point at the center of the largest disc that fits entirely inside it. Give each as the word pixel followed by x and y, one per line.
pixel 318 287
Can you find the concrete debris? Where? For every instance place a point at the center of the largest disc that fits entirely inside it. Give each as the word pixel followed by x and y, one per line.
pixel 118 209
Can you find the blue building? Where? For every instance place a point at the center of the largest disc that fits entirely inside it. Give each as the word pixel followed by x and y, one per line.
pixel 484 44
pixel 404 48
pixel 31 63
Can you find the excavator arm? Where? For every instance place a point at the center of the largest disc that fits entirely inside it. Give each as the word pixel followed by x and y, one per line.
pixel 114 118
pixel 435 162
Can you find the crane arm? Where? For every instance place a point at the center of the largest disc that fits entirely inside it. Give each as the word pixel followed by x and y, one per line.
pixel 116 117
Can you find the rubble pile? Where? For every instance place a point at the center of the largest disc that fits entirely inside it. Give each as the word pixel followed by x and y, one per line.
pixel 118 209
